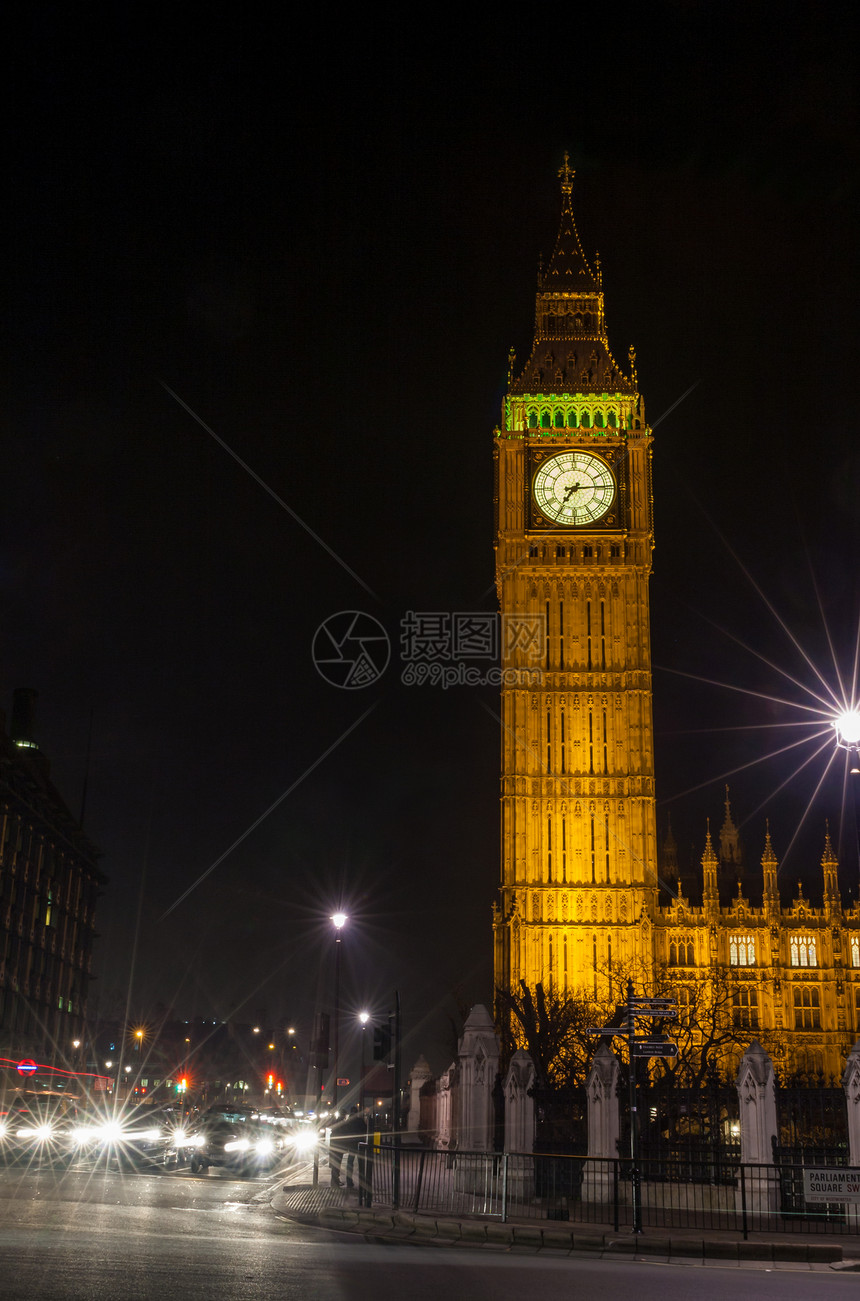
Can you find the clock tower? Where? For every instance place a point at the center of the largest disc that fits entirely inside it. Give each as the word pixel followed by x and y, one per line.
pixel 573 557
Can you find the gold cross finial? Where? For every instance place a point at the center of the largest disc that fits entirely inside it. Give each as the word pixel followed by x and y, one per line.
pixel 567 174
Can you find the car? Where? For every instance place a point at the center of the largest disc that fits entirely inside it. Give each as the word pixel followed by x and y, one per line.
pixel 231 1137
pixel 46 1128
pixel 138 1136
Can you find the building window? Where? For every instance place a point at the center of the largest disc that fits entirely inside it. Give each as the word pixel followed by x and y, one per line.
pixel 587 552
pixel 745 1009
pixel 681 954
pixel 807 1008
pixel 855 951
pixel 742 951
pixel 803 952
pixel 559 551
pixel 615 551
pixel 533 552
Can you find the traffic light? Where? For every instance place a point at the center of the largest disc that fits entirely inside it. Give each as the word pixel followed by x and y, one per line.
pixel 381 1043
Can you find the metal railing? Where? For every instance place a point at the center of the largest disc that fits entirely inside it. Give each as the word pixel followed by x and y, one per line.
pixel 726 1195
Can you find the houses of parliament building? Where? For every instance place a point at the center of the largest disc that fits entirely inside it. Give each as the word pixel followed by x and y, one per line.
pixel 580 893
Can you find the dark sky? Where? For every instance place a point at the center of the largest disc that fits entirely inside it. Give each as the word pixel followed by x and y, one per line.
pixel 324 240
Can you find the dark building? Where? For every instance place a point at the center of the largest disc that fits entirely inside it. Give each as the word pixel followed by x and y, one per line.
pixel 49 884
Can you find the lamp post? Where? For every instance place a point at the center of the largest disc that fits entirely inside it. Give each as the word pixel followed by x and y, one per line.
pixel 338 920
pixel 363 1017
pixel 847 728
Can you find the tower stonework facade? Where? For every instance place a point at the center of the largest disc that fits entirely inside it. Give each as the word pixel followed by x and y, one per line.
pixel 573 557
pixel 580 905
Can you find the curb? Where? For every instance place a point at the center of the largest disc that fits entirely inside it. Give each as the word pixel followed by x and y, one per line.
pixel 400 1226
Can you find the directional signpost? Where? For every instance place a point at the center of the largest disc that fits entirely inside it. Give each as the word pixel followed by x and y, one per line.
pixel 639 1007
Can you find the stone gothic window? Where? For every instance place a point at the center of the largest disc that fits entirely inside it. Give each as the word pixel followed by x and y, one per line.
pixel 742 951
pixel 855 951
pixel 803 952
pixel 682 954
pixel 807 1008
pixel 745 1008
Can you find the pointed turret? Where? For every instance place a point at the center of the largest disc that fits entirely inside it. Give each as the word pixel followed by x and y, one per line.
pixel 769 865
pixel 570 354
pixel 731 850
pixel 830 872
pixel 710 893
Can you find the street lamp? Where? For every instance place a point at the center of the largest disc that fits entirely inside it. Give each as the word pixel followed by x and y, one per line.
pixel 363 1017
pixel 847 727
pixel 338 920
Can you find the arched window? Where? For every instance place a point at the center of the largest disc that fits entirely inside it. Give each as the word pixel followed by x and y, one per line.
pixel 533 419
pixel 745 1008
pixel 742 951
pixel 559 418
pixel 807 1008
pixel 855 951
pixel 803 952
pixel 585 420
pixel 545 420
pixel 572 419
pixel 598 420
pixel 673 954
pixel 612 420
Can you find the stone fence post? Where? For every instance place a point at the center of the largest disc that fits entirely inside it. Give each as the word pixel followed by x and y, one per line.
pixel 757 1100
pixel 478 1066
pixel 601 1087
pixel 519 1106
pixel 418 1077
pixel 601 1090
pixel 851 1085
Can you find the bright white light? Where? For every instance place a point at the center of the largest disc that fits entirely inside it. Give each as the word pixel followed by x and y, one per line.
pixel 339 920
pixel 3 1131
pixel 83 1135
pixel 848 729
pixel 266 1147
pixel 240 1145
pixel 364 1017
pixel 304 1140
pixel 150 1135
pixel 111 1132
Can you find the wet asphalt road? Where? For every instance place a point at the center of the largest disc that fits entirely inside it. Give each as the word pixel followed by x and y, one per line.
pixel 103 1235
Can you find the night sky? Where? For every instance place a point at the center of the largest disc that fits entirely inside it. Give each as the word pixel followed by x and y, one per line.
pixel 324 241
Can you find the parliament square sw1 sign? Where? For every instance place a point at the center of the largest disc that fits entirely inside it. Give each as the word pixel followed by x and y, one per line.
pixel 831 1185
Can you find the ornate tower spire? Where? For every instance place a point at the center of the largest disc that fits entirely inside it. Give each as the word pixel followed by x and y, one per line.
pixel 731 850
pixel 830 871
pixel 710 893
pixel 769 866
pixel 570 356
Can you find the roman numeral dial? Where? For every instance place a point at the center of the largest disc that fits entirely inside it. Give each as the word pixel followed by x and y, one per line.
pixel 574 488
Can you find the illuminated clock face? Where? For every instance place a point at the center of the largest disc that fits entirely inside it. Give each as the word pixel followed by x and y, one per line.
pixel 574 488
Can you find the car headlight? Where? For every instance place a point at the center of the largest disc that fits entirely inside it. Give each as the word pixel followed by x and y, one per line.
pixel 111 1132
pixel 304 1140
pixel 3 1130
pixel 237 1145
pixel 149 1135
pixel 40 1132
pixel 265 1147
pixel 83 1135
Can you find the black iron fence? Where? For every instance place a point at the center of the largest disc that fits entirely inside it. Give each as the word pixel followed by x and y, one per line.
pixel 517 1186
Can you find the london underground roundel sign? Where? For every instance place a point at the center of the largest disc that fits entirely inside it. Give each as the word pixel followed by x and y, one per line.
pixel 27 1067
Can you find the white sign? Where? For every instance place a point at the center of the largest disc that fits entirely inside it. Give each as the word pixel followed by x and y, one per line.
pixel 833 1184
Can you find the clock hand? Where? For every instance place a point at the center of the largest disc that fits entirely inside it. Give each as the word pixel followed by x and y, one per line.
pixel 573 487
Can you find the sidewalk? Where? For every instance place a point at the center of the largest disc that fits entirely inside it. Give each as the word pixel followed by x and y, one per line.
pixel 337 1208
